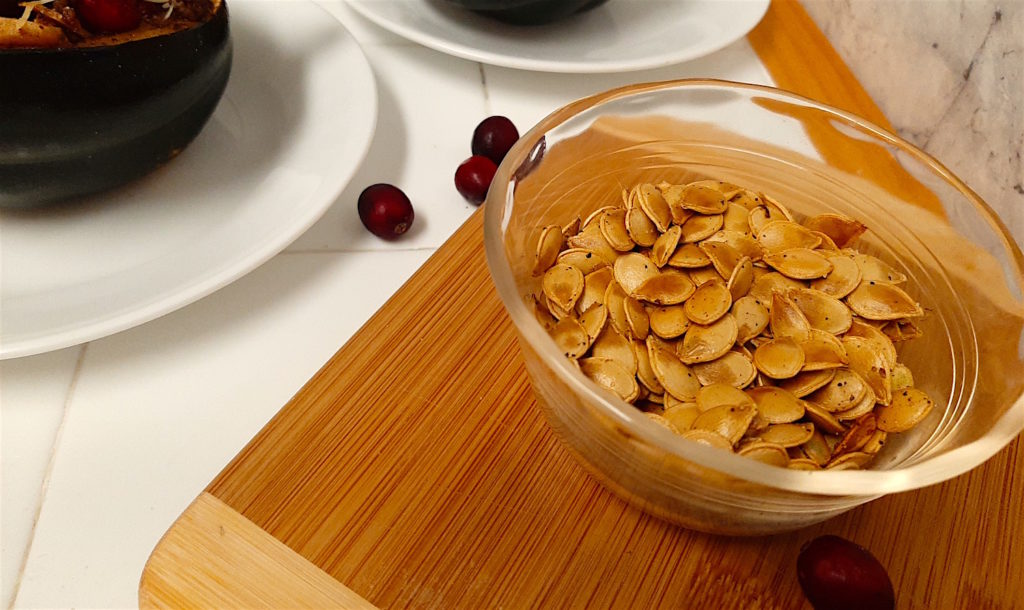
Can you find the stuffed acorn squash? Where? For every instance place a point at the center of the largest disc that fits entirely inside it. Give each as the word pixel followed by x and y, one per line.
pixel 96 93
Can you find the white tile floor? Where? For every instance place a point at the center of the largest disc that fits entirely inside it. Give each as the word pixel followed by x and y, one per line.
pixel 105 444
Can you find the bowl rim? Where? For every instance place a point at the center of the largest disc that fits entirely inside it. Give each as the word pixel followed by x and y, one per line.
pixel 866 483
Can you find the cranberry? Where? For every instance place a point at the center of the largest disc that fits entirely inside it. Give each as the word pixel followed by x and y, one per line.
pixel 473 178
pixel 385 210
pixel 109 16
pixel 837 574
pixel 493 138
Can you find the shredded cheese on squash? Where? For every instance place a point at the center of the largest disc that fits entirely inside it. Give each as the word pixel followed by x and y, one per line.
pixel 29 7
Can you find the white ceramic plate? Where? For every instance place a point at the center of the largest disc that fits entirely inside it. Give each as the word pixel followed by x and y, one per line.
pixel 294 125
pixel 618 36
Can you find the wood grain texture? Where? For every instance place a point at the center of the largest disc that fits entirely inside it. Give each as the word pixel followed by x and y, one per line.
pixel 415 468
pixel 215 558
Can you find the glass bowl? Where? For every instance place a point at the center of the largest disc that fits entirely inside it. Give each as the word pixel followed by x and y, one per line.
pixel 963 267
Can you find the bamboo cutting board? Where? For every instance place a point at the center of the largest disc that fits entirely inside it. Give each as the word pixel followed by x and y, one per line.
pixel 414 470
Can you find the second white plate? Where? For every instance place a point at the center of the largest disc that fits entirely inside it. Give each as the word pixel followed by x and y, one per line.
pixel 618 36
pixel 293 126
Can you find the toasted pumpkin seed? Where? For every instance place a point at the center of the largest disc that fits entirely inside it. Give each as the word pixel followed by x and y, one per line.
pixel 705 274
pixel 595 285
pixel 615 301
pixel 780 358
pixel 846 389
pixel 672 373
pixel 823 350
pixel 673 196
pixel 541 313
pixel 591 238
pixel 806 382
pixel 740 241
pixel 636 318
pixel 880 301
pixel 902 378
pixel 871 365
pixel 633 269
pixel 729 421
pixel 788 435
pixel 698 227
pixel 751 318
pixel 584 260
pixel 802 464
pixel 775 209
pixel 827 246
pixel 703 197
pixel 775 405
pixel 556 311
pixel 665 246
pixel 723 256
pixel 787 320
pixel 908 407
pixel 644 371
pixel 742 278
pixel 778 235
pixel 705 343
pixel 655 206
pixel 612 376
pixel 666 288
pixel 668 321
pixel 875 269
pixel 682 415
pixel 571 338
pixel 849 461
pixel 706 437
pixel 595 216
pixel 688 256
pixel 878 340
pixel 857 436
pixel 843 279
pixel 662 421
pixel 593 320
pixel 865 406
pixel 563 285
pixel 841 229
pixel 876 442
pixel 765 452
pixel 720 394
pixel 736 218
pixel 709 302
pixel 799 263
pixel 612 345
pixel 822 420
pixel 640 227
pixel 770 282
pixel 817 450
pixel 823 312
pixel 613 228
pixel 548 246
pixel 732 368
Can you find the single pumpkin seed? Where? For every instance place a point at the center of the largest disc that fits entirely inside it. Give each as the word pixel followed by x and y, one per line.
pixel 823 312
pixel 570 336
pixel 788 435
pixel 799 263
pixel 880 301
pixel 908 407
pixel 688 256
pixel 846 389
pixel 841 229
pixel 766 453
pixel 672 373
pixel 706 437
pixel 612 345
pixel 778 235
pixel 720 394
pixel 736 218
pixel 640 227
pixel 611 376
pixel 722 255
pixel 729 421
pixel 584 260
pixel 872 365
pixel 613 228
pixel 665 246
pixel 699 227
pixel 593 320
pixel 548 246
pixel 787 320
pixel 817 450
pixel 843 279
pixel 733 369
pixel 779 358
pixel 706 343
pixel 822 420
pixel 591 238
pixel 878 340
pixel 705 274
pixel 875 269
pixel 806 382
pixel 633 269
pixel 776 406
pixel 666 288
pixel 682 415
pixel 751 318
pixel 644 371
pixel 654 206
pixel 865 406
pixel 595 286
pixel 823 350
pixel 668 321
pixel 709 302
pixel 857 436
pixel 767 283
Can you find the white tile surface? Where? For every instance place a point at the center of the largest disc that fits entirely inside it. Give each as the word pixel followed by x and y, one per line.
pixel 160 409
pixel 33 392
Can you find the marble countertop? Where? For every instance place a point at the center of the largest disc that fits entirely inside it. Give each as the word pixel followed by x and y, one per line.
pixel 105 443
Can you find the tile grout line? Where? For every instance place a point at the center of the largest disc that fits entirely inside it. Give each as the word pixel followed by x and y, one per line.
pixel 44 486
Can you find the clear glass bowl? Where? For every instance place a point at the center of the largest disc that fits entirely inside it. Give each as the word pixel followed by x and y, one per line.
pixel 963 266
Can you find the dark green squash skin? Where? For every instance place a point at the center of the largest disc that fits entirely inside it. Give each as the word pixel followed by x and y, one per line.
pixel 82 120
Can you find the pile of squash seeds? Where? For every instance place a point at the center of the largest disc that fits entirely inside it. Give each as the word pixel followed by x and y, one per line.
pixel 727 321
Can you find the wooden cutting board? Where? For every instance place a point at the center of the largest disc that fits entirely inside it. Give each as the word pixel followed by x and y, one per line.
pixel 414 470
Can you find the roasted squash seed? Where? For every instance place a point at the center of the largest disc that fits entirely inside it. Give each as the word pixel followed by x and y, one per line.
pixel 732 323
